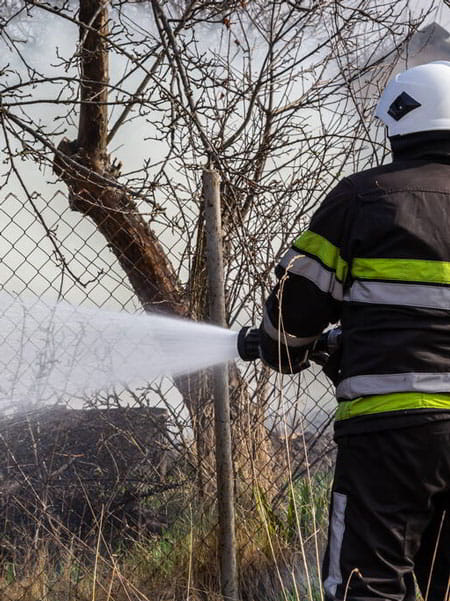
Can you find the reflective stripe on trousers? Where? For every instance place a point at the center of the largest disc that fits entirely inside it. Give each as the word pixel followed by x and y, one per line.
pixel 337 529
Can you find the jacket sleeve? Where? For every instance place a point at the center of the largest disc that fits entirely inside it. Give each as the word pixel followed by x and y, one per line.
pixel 312 277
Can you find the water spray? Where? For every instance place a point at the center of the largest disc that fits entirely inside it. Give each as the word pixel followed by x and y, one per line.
pixel 57 351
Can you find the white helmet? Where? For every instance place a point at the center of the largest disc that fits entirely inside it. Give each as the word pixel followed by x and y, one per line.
pixel 417 100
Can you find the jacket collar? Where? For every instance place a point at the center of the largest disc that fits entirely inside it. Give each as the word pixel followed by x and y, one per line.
pixel 428 146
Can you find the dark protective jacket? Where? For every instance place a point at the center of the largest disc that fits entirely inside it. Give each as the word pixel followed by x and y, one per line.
pixel 376 257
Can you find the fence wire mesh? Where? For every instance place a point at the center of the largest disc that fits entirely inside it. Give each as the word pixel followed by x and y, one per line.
pixel 136 465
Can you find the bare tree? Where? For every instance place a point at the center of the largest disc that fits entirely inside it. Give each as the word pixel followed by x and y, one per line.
pixel 275 96
pixel 269 94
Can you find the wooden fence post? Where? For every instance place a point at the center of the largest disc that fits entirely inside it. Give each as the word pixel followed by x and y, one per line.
pixel 224 463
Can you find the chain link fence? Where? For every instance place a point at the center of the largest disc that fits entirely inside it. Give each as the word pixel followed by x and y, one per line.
pixel 135 467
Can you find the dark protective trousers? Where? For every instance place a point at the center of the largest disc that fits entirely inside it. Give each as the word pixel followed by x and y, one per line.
pixel 389 516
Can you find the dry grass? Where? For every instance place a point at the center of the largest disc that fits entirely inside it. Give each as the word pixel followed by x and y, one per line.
pixel 276 555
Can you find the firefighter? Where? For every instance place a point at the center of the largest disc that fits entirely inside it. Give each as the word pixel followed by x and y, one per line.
pixel 376 258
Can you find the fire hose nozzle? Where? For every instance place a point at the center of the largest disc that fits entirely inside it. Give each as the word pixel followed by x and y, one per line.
pixel 248 343
pixel 329 342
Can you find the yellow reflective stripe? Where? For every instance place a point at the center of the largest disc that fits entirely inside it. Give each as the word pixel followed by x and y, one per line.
pixel 399 401
pixel 327 253
pixel 402 270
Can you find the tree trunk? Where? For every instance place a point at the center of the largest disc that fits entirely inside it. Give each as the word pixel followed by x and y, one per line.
pixel 85 167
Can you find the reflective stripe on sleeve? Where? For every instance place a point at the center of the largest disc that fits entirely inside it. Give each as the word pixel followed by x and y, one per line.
pixel 402 270
pixel 396 293
pixel 287 339
pixel 327 253
pixel 392 402
pixel 312 270
pixel 368 385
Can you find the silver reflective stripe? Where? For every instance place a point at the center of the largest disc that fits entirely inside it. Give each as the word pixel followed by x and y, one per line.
pixel 312 270
pixel 366 385
pixel 287 339
pixel 337 529
pixel 395 293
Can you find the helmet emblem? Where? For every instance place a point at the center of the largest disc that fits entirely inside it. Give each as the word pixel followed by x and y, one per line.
pixel 402 105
